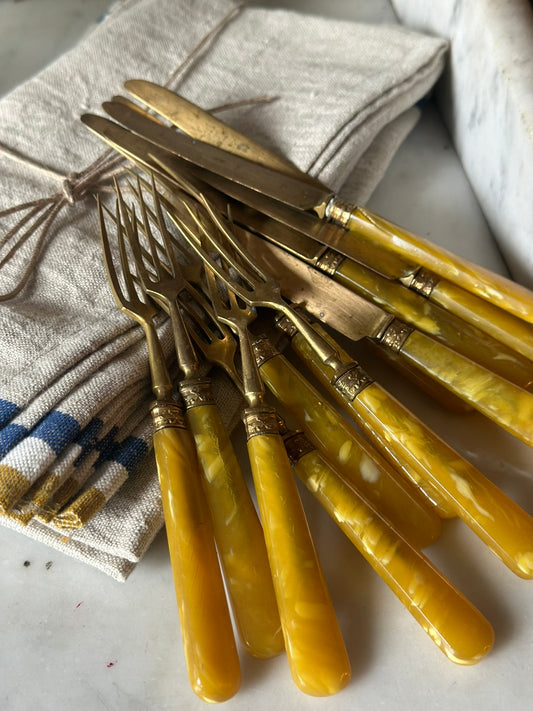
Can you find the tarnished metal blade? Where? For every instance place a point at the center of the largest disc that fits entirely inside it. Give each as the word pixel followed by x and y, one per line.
pixel 203 126
pixel 288 190
pixel 329 302
pixel 327 234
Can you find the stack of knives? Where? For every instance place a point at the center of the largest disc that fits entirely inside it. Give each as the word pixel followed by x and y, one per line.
pixel 462 333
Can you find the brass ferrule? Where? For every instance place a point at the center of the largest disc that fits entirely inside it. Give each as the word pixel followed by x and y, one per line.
pixel 330 261
pixel 260 421
pixel 297 446
pixel 263 349
pixel 196 392
pixel 395 335
pixel 339 212
pixel 422 281
pixel 166 413
pixel 286 325
pixel 350 382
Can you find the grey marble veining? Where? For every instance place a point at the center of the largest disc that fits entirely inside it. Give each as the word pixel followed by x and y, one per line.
pixel 486 98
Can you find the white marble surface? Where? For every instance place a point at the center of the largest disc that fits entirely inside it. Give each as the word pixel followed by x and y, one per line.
pixel 486 97
pixel 73 638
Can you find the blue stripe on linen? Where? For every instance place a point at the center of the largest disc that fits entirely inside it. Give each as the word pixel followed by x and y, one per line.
pixel 57 429
pixel 10 436
pixel 88 439
pixel 130 453
pixel 8 410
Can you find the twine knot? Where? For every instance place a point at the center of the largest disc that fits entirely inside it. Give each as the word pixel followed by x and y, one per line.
pixel 71 188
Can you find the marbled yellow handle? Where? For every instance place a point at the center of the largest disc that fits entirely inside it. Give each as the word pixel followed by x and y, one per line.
pixel 494 288
pixel 317 656
pixel 452 622
pixel 238 534
pixel 504 327
pixel 209 644
pixel 491 337
pixel 505 527
pixel 506 404
pixel 359 463
pixel 389 447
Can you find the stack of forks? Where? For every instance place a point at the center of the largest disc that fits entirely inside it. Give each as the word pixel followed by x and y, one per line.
pixel 173 251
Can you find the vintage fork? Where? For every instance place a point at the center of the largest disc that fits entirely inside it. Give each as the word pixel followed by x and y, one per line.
pixel 315 648
pixel 238 532
pixel 209 644
pixel 451 621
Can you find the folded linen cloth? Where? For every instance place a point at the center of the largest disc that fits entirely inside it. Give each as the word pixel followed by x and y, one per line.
pixel 344 96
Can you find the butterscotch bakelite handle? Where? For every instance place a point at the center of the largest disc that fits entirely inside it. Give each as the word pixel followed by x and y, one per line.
pixel 238 534
pixel 506 404
pixel 505 527
pixel 208 640
pixel 502 326
pixel 491 337
pixel 359 463
pixel 498 290
pixel 315 649
pixel 452 622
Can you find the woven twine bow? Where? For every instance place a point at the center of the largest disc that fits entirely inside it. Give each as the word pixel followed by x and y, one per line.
pixel 38 215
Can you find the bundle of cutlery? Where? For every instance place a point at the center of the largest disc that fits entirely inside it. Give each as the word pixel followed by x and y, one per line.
pixel 219 234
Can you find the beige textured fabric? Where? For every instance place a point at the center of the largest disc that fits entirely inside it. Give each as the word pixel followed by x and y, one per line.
pixel 344 101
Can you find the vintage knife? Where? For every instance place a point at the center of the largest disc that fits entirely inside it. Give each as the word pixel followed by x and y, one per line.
pixel 307 230
pixel 403 303
pixel 359 221
pixel 142 151
pixel 508 405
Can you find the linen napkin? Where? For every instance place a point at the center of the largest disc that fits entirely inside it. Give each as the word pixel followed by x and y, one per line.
pixel 74 381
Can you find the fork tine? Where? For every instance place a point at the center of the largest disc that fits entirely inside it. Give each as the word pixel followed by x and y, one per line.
pixel 124 224
pixel 156 262
pixel 108 258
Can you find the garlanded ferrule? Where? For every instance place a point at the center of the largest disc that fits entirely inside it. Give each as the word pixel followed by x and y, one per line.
pixel 166 413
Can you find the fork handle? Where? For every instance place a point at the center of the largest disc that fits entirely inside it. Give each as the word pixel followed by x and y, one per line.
pixel 238 532
pixel 452 622
pixel 317 656
pixel 360 463
pixel 208 640
pixel 500 523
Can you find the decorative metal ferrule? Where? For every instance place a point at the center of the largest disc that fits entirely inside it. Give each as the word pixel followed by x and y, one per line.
pixel 260 421
pixel 166 413
pixel 422 281
pixel 263 349
pixel 297 446
pixel 395 335
pixel 286 325
pixel 339 212
pixel 196 392
pixel 350 382
pixel 330 261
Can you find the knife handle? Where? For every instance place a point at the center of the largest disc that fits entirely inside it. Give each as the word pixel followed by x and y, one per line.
pixel 508 295
pixel 452 622
pixel 503 327
pixel 208 640
pixel 238 532
pixel 492 337
pixel 500 523
pixel 502 402
pixel 316 652
pixel 358 461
